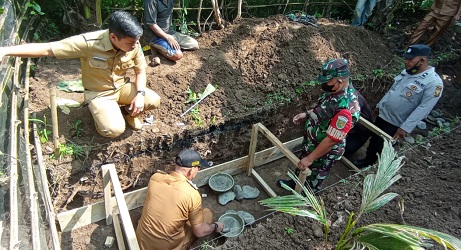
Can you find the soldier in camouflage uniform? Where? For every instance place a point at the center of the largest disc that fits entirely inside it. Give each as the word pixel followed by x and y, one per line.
pixel 327 124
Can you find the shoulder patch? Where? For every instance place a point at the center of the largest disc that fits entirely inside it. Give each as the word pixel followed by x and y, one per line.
pixel 438 90
pixel 341 122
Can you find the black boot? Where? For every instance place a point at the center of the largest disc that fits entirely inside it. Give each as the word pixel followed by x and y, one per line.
pixel 291 183
pixel 362 163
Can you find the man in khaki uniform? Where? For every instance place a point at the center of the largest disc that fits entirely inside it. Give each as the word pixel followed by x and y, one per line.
pixel 441 15
pixel 105 57
pixel 172 216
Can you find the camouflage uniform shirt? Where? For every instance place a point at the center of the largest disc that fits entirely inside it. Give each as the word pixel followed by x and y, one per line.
pixel 317 125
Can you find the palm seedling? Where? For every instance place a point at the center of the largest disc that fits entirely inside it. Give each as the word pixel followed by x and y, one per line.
pixel 374 236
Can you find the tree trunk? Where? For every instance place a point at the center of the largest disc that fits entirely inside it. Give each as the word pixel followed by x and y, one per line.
pixel 217 14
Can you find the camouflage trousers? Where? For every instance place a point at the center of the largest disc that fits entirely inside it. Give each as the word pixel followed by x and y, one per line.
pixel 321 167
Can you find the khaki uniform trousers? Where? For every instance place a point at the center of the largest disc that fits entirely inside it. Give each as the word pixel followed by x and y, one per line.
pixel 105 107
pixel 188 240
pixel 440 22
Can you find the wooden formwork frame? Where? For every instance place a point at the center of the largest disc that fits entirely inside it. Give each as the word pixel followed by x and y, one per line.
pixel 109 176
pixel 92 213
pixel 258 127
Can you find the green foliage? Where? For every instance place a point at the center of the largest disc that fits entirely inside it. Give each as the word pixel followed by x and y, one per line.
pixel 378 73
pixel 318 15
pixel 71 149
pixel 289 230
pixel 426 4
pixel 47 30
pixel 192 96
pixel 36 9
pixel 195 114
pixel 76 128
pixel 449 55
pixel 277 98
pixel 375 236
pixel 43 131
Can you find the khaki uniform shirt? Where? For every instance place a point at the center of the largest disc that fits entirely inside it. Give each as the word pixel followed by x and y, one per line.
pixel 171 202
pixel 103 67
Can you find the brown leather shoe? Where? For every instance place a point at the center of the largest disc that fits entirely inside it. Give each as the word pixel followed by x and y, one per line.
pixel 133 121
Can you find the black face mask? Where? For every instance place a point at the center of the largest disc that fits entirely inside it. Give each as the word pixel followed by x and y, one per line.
pixel 328 88
pixel 414 69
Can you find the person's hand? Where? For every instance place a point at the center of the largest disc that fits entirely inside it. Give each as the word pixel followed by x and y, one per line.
pixel 173 43
pixel 376 112
pixel 304 163
pixel 220 227
pixel 301 117
pixel 399 134
pixel 456 18
pixel 137 105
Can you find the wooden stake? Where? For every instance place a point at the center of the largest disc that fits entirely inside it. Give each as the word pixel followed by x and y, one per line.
pixel 91 213
pixel 46 192
pixel 123 209
pixel 54 119
pixel 13 162
pixel 251 152
pixel 107 195
pixel 31 183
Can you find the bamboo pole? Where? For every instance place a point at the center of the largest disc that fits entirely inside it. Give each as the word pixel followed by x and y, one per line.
pixel 239 9
pixel 54 119
pixel 217 14
pixel 198 16
pixel 32 193
pixel 14 209
pixel 46 192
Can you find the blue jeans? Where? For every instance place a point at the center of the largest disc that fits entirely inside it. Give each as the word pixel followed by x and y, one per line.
pixel 362 11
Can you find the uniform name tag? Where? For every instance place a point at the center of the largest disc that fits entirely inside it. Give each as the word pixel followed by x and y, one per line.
pixel 99 58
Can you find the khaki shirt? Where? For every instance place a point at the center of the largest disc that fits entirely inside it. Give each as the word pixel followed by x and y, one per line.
pixel 170 203
pixel 446 7
pixel 103 67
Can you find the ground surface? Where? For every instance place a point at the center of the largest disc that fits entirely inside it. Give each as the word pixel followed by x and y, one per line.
pixel 262 69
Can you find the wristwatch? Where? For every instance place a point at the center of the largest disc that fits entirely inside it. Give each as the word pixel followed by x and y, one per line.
pixel 142 92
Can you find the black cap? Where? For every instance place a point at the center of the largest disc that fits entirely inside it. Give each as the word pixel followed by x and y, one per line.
pixel 417 50
pixel 191 158
pixel 334 68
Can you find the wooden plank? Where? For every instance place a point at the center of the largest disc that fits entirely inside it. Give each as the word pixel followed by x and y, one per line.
pixel 239 165
pixel 46 192
pixel 107 195
pixel 302 178
pixel 349 164
pixel 13 163
pixel 123 208
pixel 34 223
pixel 261 181
pixel 118 233
pixel 374 129
pixel 278 144
pixel 86 215
pixel 252 149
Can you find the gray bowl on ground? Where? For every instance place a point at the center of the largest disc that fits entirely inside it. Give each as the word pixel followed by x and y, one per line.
pixel 233 224
pixel 221 182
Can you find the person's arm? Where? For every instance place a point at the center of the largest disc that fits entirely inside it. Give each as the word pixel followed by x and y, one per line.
pixel 205 229
pixel 32 50
pixel 324 147
pixel 339 126
pixel 137 104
